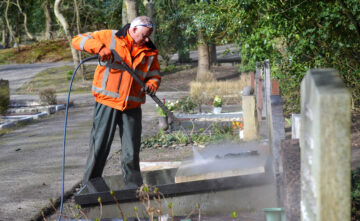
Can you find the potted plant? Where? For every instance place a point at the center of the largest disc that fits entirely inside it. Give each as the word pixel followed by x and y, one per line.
pixel 217 105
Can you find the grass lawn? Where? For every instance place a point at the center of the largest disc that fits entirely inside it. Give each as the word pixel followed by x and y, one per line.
pixel 59 79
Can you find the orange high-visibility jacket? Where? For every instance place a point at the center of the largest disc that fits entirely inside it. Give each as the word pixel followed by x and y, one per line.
pixel 112 85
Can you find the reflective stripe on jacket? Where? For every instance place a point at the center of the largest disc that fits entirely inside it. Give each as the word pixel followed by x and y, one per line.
pixel 112 85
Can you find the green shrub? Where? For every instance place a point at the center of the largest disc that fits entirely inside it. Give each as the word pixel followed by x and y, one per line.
pixel 48 96
pixel 214 134
pixel 355 194
pixel 69 75
pixel 186 105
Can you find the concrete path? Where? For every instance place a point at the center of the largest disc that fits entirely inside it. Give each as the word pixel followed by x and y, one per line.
pixel 18 74
pixel 31 157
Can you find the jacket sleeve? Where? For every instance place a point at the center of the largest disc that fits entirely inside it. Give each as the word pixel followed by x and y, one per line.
pixel 92 42
pixel 153 76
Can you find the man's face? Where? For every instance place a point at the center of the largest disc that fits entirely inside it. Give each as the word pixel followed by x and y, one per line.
pixel 141 35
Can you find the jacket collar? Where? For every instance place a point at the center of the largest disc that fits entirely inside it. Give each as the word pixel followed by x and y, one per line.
pixel 122 34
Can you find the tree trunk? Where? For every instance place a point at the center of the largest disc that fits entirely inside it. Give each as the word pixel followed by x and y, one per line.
pixel 11 32
pixel 48 20
pixel 77 13
pixel 65 25
pixel 149 5
pixel 131 9
pixel 31 37
pixel 124 19
pixel 4 42
pixel 3 36
pixel 203 70
pixel 82 67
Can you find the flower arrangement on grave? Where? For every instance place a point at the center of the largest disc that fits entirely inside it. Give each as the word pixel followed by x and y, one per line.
pixel 217 101
pixel 171 106
pixel 237 125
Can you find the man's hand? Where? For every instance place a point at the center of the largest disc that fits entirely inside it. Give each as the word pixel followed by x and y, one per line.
pixel 105 54
pixel 150 88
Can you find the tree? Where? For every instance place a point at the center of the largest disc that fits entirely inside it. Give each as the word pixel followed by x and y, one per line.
pixel 4 35
pixel 149 5
pixel 68 35
pixel 131 9
pixel 77 13
pixel 11 31
pixel 31 37
pixel 124 18
pixel 48 20
pixel 203 70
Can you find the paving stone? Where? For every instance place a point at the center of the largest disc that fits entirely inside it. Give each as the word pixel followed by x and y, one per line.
pixel 290 152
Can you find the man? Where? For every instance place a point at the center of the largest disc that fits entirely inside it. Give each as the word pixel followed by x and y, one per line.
pixel 118 96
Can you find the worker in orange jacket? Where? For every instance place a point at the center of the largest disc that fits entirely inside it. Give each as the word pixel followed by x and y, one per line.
pixel 118 97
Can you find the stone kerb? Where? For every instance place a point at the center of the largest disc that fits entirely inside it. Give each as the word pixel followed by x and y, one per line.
pixel 277 134
pixel 272 107
pixel 325 147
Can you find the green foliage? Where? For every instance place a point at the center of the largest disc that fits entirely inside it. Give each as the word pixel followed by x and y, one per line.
pixel 186 105
pixel 169 69
pixel 220 21
pixel 171 106
pixel 234 215
pixel 297 37
pixel 294 35
pixel 355 194
pixel 171 20
pixel 216 133
pixel 217 101
pixel 69 74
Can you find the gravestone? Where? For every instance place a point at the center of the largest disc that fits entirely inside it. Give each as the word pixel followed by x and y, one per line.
pixel 4 95
pixel 295 126
pixel 258 91
pixel 325 147
pixel 250 118
pixel 267 88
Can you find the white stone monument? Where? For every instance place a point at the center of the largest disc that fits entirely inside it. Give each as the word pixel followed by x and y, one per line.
pixel 325 147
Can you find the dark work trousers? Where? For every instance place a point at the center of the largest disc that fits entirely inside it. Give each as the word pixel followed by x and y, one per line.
pixel 104 126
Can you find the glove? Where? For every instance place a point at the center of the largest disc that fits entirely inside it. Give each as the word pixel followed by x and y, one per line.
pixel 150 88
pixel 105 54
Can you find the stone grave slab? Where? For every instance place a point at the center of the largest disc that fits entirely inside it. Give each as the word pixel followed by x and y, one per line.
pixel 223 161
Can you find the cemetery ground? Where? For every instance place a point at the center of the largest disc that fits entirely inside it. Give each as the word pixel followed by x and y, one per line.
pixel 177 80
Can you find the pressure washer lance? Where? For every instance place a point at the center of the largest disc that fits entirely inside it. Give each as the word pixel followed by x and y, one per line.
pixel 120 62
pixel 137 79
